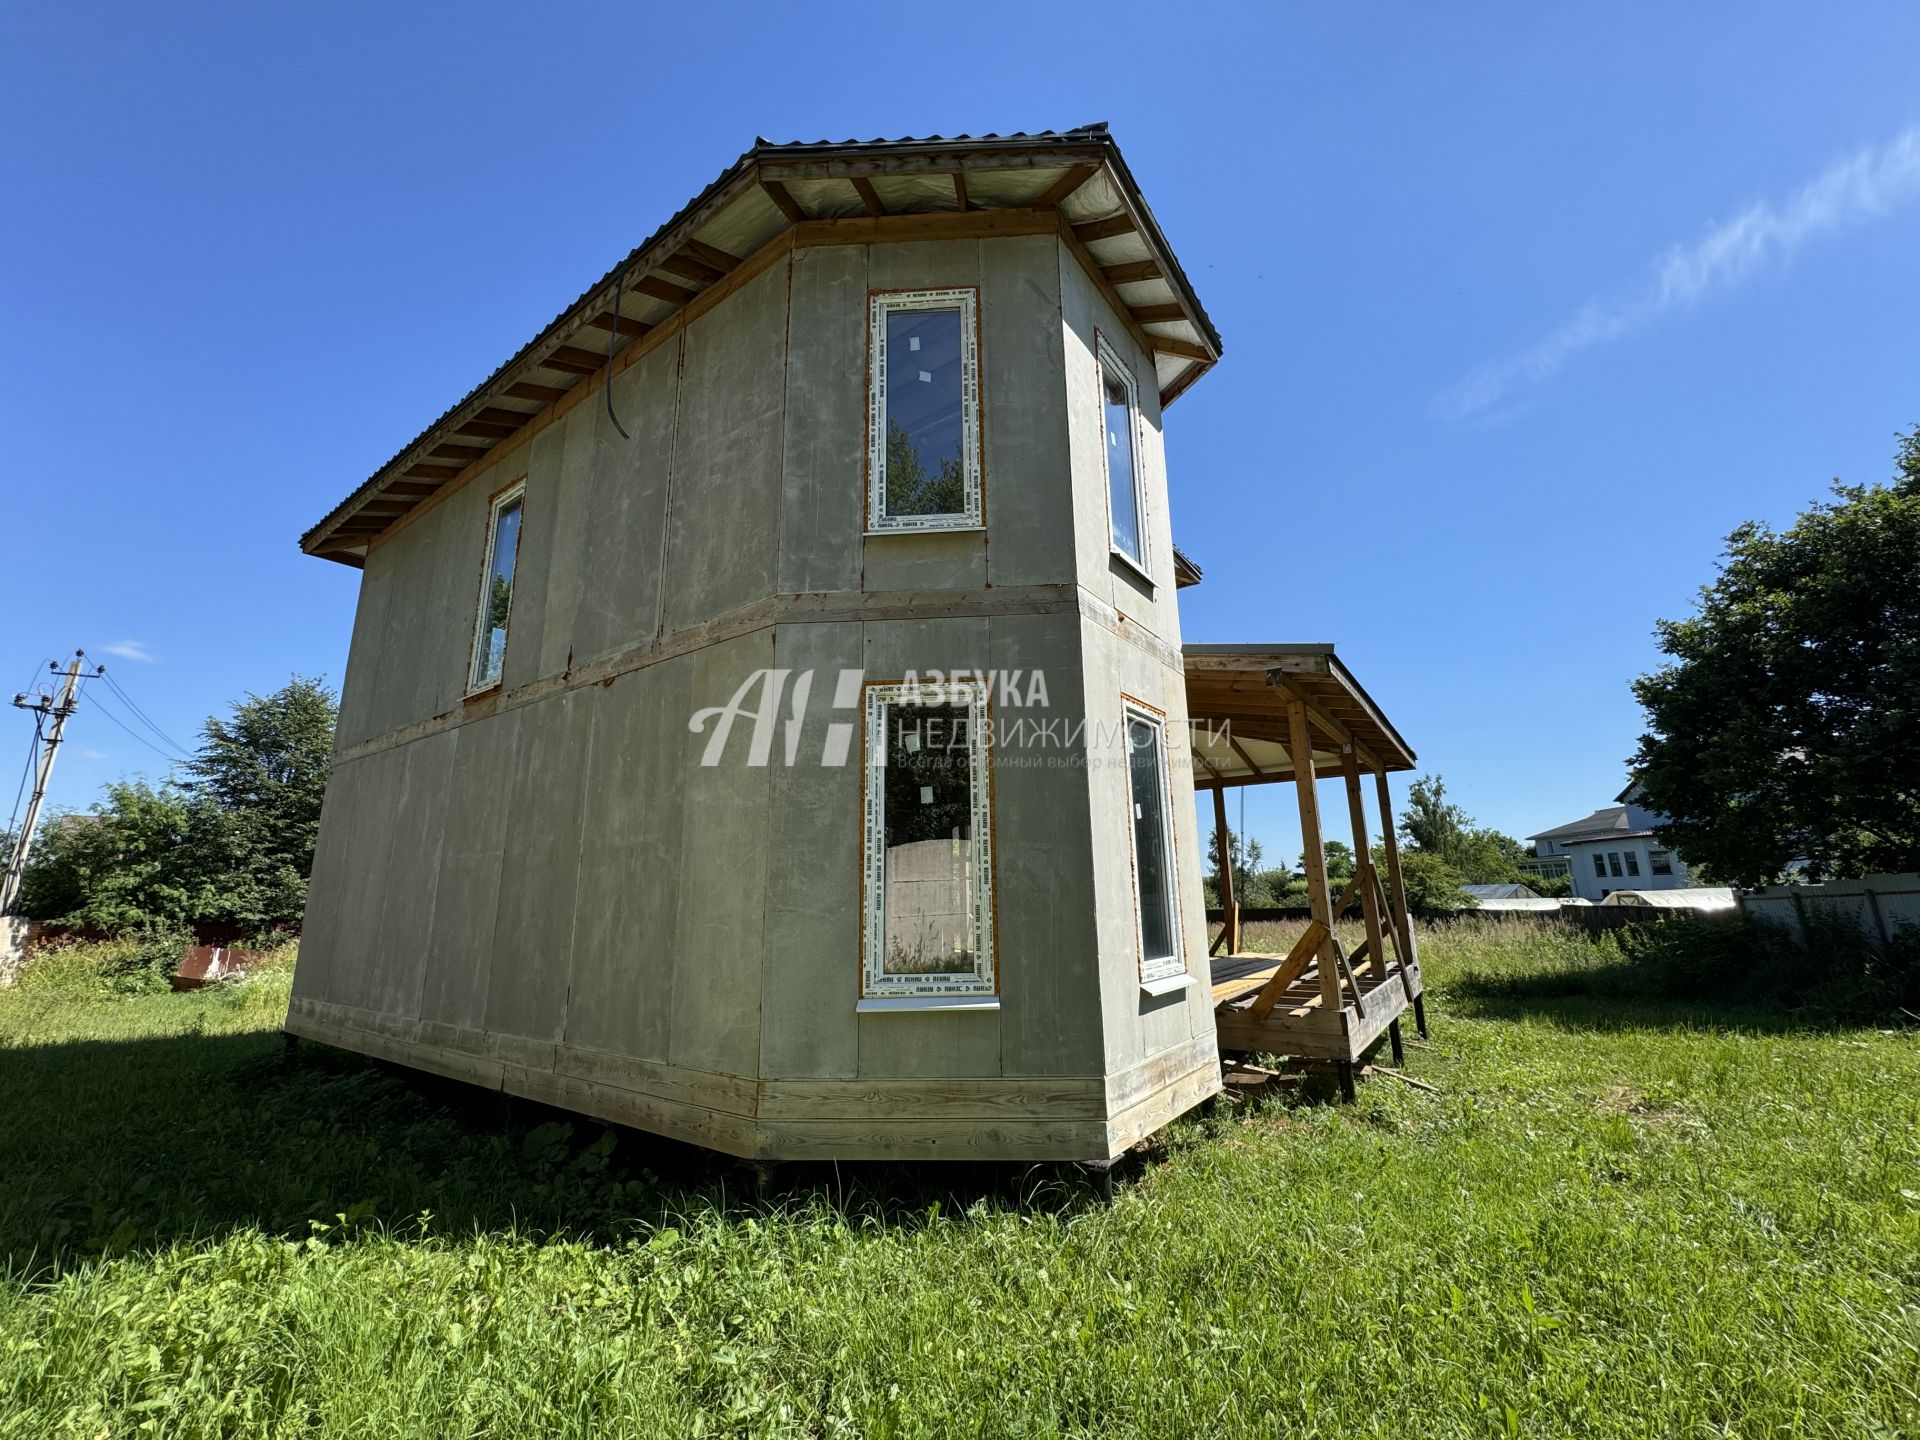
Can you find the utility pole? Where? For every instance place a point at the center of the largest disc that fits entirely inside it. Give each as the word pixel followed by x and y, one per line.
pixel 42 707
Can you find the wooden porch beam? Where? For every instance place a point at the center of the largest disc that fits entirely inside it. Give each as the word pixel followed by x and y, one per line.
pixel 1133 270
pixel 1330 723
pixel 1314 858
pixel 1363 868
pixel 1229 910
pixel 1397 889
pixel 545 394
pixel 1158 314
pixel 869 196
pixel 960 201
pixel 466 453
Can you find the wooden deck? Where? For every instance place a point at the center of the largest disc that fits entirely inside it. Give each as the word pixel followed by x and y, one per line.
pixel 1300 1021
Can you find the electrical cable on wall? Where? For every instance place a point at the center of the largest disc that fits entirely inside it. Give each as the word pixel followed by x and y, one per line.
pixel 613 339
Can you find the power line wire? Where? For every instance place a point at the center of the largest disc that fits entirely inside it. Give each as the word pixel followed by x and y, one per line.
pixel 133 705
pixel 171 759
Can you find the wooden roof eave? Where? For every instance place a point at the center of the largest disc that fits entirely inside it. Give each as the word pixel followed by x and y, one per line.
pixel 486 414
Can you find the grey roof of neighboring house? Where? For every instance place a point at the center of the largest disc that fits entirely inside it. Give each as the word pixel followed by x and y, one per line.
pixel 1610 821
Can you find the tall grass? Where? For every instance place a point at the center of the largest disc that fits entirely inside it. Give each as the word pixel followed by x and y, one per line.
pixel 1614 1219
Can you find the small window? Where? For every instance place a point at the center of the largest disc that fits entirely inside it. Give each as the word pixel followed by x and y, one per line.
pixel 1599 864
pixel 1633 862
pixel 496 589
pixel 1613 863
pixel 928 877
pixel 1154 875
pixel 1659 862
pixel 1120 452
pixel 923 412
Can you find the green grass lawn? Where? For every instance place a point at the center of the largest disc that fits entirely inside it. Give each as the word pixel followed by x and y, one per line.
pixel 1619 1216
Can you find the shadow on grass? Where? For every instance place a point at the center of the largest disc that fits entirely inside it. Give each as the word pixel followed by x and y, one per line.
pixel 1616 998
pixel 109 1147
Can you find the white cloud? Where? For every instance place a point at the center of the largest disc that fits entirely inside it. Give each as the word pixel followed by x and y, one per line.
pixel 1864 186
pixel 129 650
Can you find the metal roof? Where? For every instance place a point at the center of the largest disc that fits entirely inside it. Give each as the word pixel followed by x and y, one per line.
pixel 757 192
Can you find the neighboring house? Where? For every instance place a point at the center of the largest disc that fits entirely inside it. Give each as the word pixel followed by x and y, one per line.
pixel 1614 849
pixel 679 777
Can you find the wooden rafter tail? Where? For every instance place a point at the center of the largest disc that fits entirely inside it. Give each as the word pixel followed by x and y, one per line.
pixel 1057 193
pixel 1291 969
pixel 783 200
pixel 661 290
pixel 869 196
pixel 1113 225
pixel 620 324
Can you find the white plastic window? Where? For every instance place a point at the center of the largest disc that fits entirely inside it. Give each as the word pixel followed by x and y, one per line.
pixel 928 858
pixel 496 590
pixel 1155 878
pixel 1120 454
pixel 923 411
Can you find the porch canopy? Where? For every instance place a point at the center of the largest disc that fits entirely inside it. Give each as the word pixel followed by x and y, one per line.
pixel 1237 698
pixel 1260 715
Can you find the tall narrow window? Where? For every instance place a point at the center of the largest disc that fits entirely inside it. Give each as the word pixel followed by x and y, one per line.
pixel 928 871
pixel 1154 882
pixel 496 589
pixel 1599 865
pixel 1633 862
pixel 1613 863
pixel 1119 411
pixel 923 411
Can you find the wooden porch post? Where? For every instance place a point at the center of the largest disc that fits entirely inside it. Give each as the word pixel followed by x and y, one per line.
pixel 1229 909
pixel 1403 921
pixel 1363 863
pixel 1314 860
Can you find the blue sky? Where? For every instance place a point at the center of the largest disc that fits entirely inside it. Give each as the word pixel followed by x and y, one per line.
pixel 1525 307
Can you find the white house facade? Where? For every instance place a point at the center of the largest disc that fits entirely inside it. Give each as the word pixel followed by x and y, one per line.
pixel 1616 848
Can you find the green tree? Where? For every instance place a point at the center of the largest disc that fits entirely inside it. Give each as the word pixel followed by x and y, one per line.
pixel 910 491
pixel 1432 884
pixel 1786 724
pixel 125 864
pixel 1433 825
pixel 258 780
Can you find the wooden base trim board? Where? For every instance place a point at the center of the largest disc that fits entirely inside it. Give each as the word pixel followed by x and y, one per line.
pixel 1005 1118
